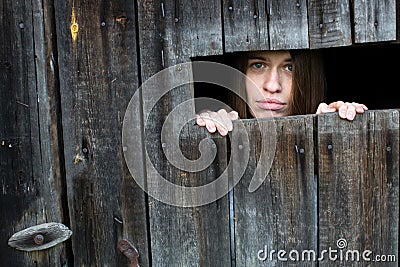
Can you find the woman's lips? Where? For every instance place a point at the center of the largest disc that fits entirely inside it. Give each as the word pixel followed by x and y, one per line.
pixel 270 104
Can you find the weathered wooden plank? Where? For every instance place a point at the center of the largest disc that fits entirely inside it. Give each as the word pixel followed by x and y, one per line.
pixel 281 213
pixel 170 32
pixel 39 237
pixel 359 187
pixel 98 76
pixel 192 235
pixel 288 24
pixel 397 21
pixel 374 20
pixel 329 23
pixel 191 28
pixel 245 25
pixel 30 167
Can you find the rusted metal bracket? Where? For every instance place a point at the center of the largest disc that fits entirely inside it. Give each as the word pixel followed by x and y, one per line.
pixel 40 236
pixel 129 251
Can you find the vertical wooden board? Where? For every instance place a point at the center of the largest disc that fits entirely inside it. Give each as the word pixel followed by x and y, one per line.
pixel 188 236
pixel 359 186
pixel 245 25
pixel 329 23
pixel 397 21
pixel 29 167
pixel 281 213
pixel 170 32
pixel 191 28
pixel 150 27
pixel 98 76
pixel 288 24
pixel 374 21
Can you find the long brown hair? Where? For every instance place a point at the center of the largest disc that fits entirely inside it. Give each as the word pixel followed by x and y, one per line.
pixel 308 85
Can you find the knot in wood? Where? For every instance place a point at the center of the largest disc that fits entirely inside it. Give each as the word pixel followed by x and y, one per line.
pixel 121 19
pixel 74 27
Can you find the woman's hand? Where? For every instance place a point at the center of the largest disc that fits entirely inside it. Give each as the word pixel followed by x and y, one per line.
pixel 346 110
pixel 220 120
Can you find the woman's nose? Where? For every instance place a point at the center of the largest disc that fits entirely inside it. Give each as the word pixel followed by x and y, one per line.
pixel 272 81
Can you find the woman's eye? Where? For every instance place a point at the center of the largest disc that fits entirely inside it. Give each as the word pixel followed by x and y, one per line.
pixel 258 65
pixel 289 67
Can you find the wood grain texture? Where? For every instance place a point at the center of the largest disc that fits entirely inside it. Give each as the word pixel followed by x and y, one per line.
pixel 281 213
pixel 359 183
pixel 288 25
pixel 171 32
pixel 374 21
pixel 67 72
pixel 98 76
pixel 189 236
pixel 245 25
pixel 30 171
pixel 329 23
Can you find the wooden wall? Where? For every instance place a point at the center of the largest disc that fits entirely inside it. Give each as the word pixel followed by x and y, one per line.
pixel 68 72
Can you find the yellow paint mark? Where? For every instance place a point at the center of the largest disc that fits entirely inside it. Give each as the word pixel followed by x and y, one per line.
pixel 77 159
pixel 74 26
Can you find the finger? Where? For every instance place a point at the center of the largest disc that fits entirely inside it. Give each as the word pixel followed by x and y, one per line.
pixel 360 108
pixel 336 105
pixel 222 130
pixel 233 115
pixel 225 119
pixel 351 112
pixel 200 121
pixel 321 106
pixel 343 111
pixel 208 121
pixel 324 108
pixel 218 123
pixel 210 125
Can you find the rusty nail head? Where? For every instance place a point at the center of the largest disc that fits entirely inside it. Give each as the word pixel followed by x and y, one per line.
pixel 38 239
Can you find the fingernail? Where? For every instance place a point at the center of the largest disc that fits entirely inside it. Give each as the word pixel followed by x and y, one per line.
pixel 210 128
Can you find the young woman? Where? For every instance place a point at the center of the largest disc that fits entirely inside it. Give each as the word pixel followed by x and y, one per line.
pixel 279 83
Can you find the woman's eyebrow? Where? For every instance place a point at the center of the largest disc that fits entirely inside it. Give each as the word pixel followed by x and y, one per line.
pixel 256 57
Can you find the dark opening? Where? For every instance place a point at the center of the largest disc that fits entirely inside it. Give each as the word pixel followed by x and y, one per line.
pixel 212 91
pixel 365 74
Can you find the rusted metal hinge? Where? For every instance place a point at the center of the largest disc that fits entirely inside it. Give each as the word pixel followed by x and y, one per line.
pixel 129 251
pixel 40 236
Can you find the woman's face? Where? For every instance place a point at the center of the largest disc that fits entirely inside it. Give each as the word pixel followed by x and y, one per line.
pixel 269 83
